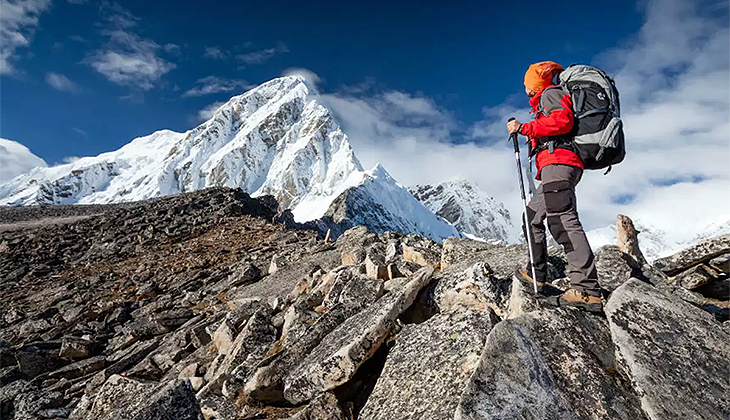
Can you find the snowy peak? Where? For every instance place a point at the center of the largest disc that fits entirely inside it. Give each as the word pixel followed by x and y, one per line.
pixel 275 139
pixel 469 209
pixel 16 159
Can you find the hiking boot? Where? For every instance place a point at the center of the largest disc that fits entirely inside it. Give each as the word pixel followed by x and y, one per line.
pixel 526 279
pixel 577 299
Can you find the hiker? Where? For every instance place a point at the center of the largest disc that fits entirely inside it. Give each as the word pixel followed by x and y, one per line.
pixel 560 169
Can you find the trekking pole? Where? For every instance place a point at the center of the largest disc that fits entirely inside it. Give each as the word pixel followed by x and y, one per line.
pixel 515 143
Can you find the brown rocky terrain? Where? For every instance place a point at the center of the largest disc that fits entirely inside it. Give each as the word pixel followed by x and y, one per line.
pixel 214 305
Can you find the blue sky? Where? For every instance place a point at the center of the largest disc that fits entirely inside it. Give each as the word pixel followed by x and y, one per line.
pixel 65 96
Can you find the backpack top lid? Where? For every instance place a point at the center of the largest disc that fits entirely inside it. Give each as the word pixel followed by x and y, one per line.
pixel 580 74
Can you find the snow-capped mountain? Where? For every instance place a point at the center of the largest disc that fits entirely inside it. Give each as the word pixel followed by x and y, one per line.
pixel 469 209
pixel 274 139
pixel 377 201
pixel 16 159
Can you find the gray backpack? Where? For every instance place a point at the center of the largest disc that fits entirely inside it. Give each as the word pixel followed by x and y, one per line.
pixel 598 130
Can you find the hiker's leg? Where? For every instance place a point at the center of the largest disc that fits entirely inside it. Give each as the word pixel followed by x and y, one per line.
pixel 564 225
pixel 536 218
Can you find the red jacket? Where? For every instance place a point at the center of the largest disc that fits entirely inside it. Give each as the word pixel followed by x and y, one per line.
pixel 554 120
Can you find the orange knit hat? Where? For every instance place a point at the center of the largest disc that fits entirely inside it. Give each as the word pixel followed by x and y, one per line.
pixel 540 75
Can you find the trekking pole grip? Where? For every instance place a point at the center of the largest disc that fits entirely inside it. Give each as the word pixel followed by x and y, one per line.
pixel 513 136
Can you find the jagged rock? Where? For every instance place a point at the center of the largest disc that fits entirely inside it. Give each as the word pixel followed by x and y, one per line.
pixel 78 369
pixel 323 407
pixel 695 277
pixel 126 399
pixel 614 267
pixel 375 267
pixel 267 383
pixel 460 253
pixel 33 360
pixel 244 274
pixel 277 262
pixel 393 271
pixel 702 252
pixel 215 407
pixel 422 256
pixel 123 360
pixel 350 286
pixel 174 318
pixel 669 345
pixel 475 287
pixel 34 404
pixel 338 356
pixel 426 370
pixel 223 338
pixel 78 348
pixel 550 364
pixel 353 257
pixel 521 300
pixel 9 392
pixel 249 348
pixel 721 263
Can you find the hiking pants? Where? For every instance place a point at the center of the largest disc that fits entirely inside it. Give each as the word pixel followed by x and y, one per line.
pixel 557 203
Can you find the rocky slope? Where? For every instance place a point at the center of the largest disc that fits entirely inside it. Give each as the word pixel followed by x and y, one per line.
pixel 206 305
pixel 469 209
pixel 275 139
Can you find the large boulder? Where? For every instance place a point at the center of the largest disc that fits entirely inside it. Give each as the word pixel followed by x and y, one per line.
pixel 425 372
pixel 614 267
pixel 549 364
pixel 126 399
pixel 678 355
pixel 335 360
pixel 702 252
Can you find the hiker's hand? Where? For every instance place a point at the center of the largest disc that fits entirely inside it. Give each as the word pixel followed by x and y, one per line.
pixel 513 126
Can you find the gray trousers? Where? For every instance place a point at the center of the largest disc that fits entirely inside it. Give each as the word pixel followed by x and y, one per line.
pixel 557 203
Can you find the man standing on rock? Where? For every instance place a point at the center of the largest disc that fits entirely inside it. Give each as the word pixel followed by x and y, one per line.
pixel 560 170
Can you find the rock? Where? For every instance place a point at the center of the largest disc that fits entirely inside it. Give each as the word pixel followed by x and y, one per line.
pixel 721 263
pixel 174 318
pixel 614 267
pixel 78 369
pixel 277 262
pixel 249 348
pixel 244 274
pixel 9 392
pixel 35 404
pixel 669 345
pixel 123 360
pixel 121 398
pixel 13 315
pixel 323 407
pixel 267 383
pixel 475 288
pixel 353 257
pixel 702 252
pixel 550 364
pixel 375 267
pixel 337 357
pixel 459 254
pixel 78 348
pixel 521 300
pixel 393 271
pixel 223 338
pixel 33 361
pixel 215 407
pixel 426 370
pixel 422 256
pixel 350 286
pixel 695 277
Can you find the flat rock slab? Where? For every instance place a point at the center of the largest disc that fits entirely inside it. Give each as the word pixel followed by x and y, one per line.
pixel 126 399
pixel 702 252
pixel 549 364
pixel 341 352
pixel 426 370
pixel 677 354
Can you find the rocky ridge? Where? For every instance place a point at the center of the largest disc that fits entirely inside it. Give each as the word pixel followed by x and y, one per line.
pixel 215 305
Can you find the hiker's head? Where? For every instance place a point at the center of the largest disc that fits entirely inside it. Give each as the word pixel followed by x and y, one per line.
pixel 539 76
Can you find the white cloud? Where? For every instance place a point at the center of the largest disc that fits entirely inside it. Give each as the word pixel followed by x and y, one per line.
pixel 128 59
pixel 61 82
pixel 213 84
pixel 80 131
pixel 216 53
pixel 16 159
pixel 261 56
pixel 18 22
pixel 207 112
pixel 309 76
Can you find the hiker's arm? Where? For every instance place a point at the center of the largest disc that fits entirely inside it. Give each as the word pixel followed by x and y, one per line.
pixel 558 117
